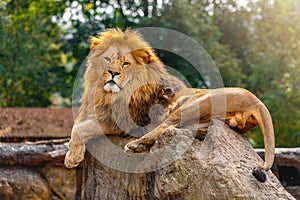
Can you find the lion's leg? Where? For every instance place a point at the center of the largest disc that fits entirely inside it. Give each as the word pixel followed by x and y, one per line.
pixel 183 116
pixel 260 116
pixel 239 119
pixel 76 150
pixel 234 120
pixel 141 144
pixel 80 135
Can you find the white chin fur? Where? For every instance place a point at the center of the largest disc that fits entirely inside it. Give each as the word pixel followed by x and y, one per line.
pixel 109 87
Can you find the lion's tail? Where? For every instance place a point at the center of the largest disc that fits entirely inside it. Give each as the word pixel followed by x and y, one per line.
pixel 264 120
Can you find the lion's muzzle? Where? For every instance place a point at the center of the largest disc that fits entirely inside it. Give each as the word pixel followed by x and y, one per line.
pixel 111 86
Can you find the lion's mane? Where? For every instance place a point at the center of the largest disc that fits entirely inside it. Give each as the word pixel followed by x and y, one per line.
pixel 130 107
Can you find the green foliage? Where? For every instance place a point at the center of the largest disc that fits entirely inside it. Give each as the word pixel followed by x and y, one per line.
pixel 44 42
pixel 30 56
pixel 195 20
pixel 274 66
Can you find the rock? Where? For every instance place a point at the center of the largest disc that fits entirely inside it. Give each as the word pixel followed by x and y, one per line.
pixel 220 167
pixel 5 190
pixel 61 181
pixel 287 168
pixel 26 184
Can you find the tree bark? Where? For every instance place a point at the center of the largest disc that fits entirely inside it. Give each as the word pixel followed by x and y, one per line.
pixel 219 167
pixel 33 153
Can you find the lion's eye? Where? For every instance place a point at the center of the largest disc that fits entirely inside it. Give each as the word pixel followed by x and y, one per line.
pixel 107 60
pixel 126 64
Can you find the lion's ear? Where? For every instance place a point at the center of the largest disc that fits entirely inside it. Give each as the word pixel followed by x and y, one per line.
pixel 94 41
pixel 144 56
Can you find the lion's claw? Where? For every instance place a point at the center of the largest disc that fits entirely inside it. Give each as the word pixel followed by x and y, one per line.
pixel 70 162
pixel 74 156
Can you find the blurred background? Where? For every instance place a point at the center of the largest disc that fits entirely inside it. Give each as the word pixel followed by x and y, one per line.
pixel 255 44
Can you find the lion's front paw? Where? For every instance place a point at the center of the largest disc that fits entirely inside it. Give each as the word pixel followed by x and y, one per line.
pixel 135 147
pixel 74 156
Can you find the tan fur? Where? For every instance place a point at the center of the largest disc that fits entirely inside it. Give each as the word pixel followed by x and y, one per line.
pixel 139 78
pixel 242 110
pixel 118 108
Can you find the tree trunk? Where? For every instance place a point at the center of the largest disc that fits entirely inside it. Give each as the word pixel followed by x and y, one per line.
pixel 220 167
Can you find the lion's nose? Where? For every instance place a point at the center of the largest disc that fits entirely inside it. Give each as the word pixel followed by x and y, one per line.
pixel 113 73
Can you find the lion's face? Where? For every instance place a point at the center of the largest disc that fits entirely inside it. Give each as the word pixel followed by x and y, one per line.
pixel 120 61
pixel 117 70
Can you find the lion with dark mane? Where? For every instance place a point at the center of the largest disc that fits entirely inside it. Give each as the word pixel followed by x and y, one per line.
pixel 126 87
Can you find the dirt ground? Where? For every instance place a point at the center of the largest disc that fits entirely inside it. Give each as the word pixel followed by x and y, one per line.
pixel 35 123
